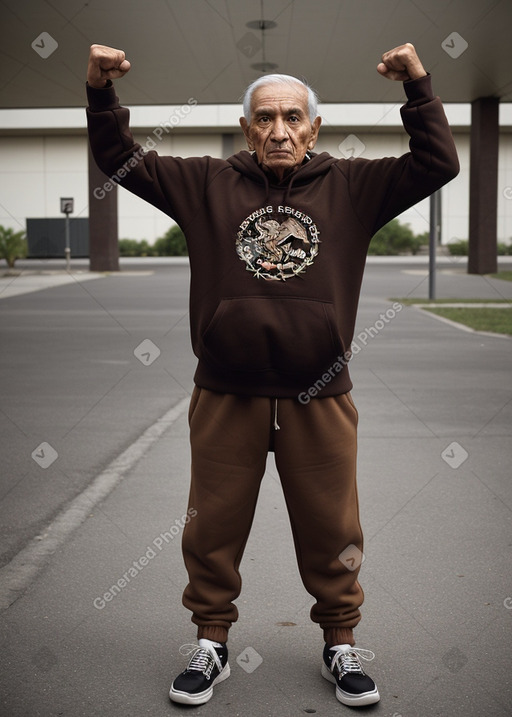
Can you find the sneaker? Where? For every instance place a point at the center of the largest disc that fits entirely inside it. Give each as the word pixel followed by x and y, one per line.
pixel 341 666
pixel 207 667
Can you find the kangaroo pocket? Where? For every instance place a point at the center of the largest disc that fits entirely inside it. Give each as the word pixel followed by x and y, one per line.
pixel 287 335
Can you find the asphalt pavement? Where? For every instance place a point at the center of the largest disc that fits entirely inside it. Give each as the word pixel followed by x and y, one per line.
pixel 96 376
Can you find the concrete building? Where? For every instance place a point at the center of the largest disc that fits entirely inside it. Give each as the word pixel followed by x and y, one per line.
pixel 209 51
pixel 44 156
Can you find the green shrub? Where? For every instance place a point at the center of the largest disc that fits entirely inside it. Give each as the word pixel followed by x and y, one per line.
pixel 504 249
pixel 395 238
pixel 459 247
pixel 172 243
pixel 129 247
pixel 419 241
pixel 146 249
pixel 13 245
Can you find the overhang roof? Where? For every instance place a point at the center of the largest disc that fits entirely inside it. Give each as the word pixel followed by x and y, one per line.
pixel 204 49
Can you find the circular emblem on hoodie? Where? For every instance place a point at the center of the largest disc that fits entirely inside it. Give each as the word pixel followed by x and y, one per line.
pixel 277 243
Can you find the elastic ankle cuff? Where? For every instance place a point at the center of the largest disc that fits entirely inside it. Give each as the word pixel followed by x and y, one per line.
pixel 339 636
pixel 213 633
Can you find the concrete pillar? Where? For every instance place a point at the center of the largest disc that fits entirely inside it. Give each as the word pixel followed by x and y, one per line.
pixel 103 241
pixel 483 186
pixel 228 145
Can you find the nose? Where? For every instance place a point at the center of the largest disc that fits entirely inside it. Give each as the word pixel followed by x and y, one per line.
pixel 279 133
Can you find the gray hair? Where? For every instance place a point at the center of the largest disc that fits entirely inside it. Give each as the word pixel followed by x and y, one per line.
pixel 279 80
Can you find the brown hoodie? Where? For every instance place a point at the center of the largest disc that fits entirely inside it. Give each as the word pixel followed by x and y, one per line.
pixel 276 268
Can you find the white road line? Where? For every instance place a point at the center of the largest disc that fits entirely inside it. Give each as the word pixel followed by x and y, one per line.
pixel 16 576
pixel 27 282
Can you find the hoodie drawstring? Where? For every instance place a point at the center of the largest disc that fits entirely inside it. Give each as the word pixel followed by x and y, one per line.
pixel 267 189
pixel 288 189
pixel 276 424
pixel 289 184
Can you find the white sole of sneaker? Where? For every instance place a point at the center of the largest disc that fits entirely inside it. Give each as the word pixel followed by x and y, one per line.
pixel 365 698
pixel 185 698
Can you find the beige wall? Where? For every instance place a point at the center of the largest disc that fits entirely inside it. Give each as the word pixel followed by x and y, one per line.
pixel 36 170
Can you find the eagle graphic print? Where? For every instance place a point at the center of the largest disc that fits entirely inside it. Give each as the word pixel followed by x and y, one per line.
pixel 277 243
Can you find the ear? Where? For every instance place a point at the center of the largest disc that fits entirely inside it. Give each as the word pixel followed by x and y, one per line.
pixel 245 127
pixel 315 127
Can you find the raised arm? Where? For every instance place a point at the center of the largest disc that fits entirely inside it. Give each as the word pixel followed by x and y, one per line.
pixel 172 184
pixel 393 184
pixel 401 64
pixel 105 63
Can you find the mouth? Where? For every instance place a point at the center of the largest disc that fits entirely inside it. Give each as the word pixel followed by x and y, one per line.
pixel 279 151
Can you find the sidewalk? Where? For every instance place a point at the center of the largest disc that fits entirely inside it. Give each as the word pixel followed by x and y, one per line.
pixel 32 275
pixel 435 452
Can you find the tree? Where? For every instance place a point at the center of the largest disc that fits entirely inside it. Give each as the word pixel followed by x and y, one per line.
pixel 172 243
pixel 395 238
pixel 13 245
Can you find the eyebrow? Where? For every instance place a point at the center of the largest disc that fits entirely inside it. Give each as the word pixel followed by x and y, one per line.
pixel 264 111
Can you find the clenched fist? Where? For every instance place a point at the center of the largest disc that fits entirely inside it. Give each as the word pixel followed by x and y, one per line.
pixel 105 63
pixel 402 63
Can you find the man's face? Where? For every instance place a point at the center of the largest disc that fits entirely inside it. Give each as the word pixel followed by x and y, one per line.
pixel 280 131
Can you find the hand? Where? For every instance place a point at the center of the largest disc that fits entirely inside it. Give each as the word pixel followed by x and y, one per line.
pixel 402 63
pixel 105 63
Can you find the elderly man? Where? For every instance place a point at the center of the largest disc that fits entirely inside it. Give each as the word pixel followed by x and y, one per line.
pixel 277 240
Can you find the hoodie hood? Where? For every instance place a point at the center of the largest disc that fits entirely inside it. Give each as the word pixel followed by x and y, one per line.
pixel 247 164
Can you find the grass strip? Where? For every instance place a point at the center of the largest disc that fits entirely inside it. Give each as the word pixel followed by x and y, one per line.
pixel 505 275
pixel 412 302
pixel 498 321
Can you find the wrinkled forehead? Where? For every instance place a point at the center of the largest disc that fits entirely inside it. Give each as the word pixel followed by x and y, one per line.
pixel 282 94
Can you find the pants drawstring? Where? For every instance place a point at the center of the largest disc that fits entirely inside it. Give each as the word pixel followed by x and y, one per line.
pixel 276 424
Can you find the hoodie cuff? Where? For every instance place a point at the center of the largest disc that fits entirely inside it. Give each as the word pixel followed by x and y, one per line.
pixel 419 91
pixel 102 99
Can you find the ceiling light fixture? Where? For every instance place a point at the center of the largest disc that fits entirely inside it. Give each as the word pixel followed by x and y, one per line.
pixel 262 25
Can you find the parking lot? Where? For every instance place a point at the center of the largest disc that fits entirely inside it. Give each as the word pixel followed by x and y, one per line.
pixel 96 376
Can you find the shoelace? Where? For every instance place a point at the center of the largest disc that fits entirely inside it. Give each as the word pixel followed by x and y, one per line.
pixel 277 427
pixel 202 660
pixel 349 661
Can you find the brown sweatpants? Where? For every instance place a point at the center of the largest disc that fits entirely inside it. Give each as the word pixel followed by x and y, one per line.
pixel 315 453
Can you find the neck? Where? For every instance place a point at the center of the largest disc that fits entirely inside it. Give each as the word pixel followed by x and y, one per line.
pixel 281 174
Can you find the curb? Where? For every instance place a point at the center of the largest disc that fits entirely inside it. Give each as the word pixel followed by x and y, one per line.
pixel 457 325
